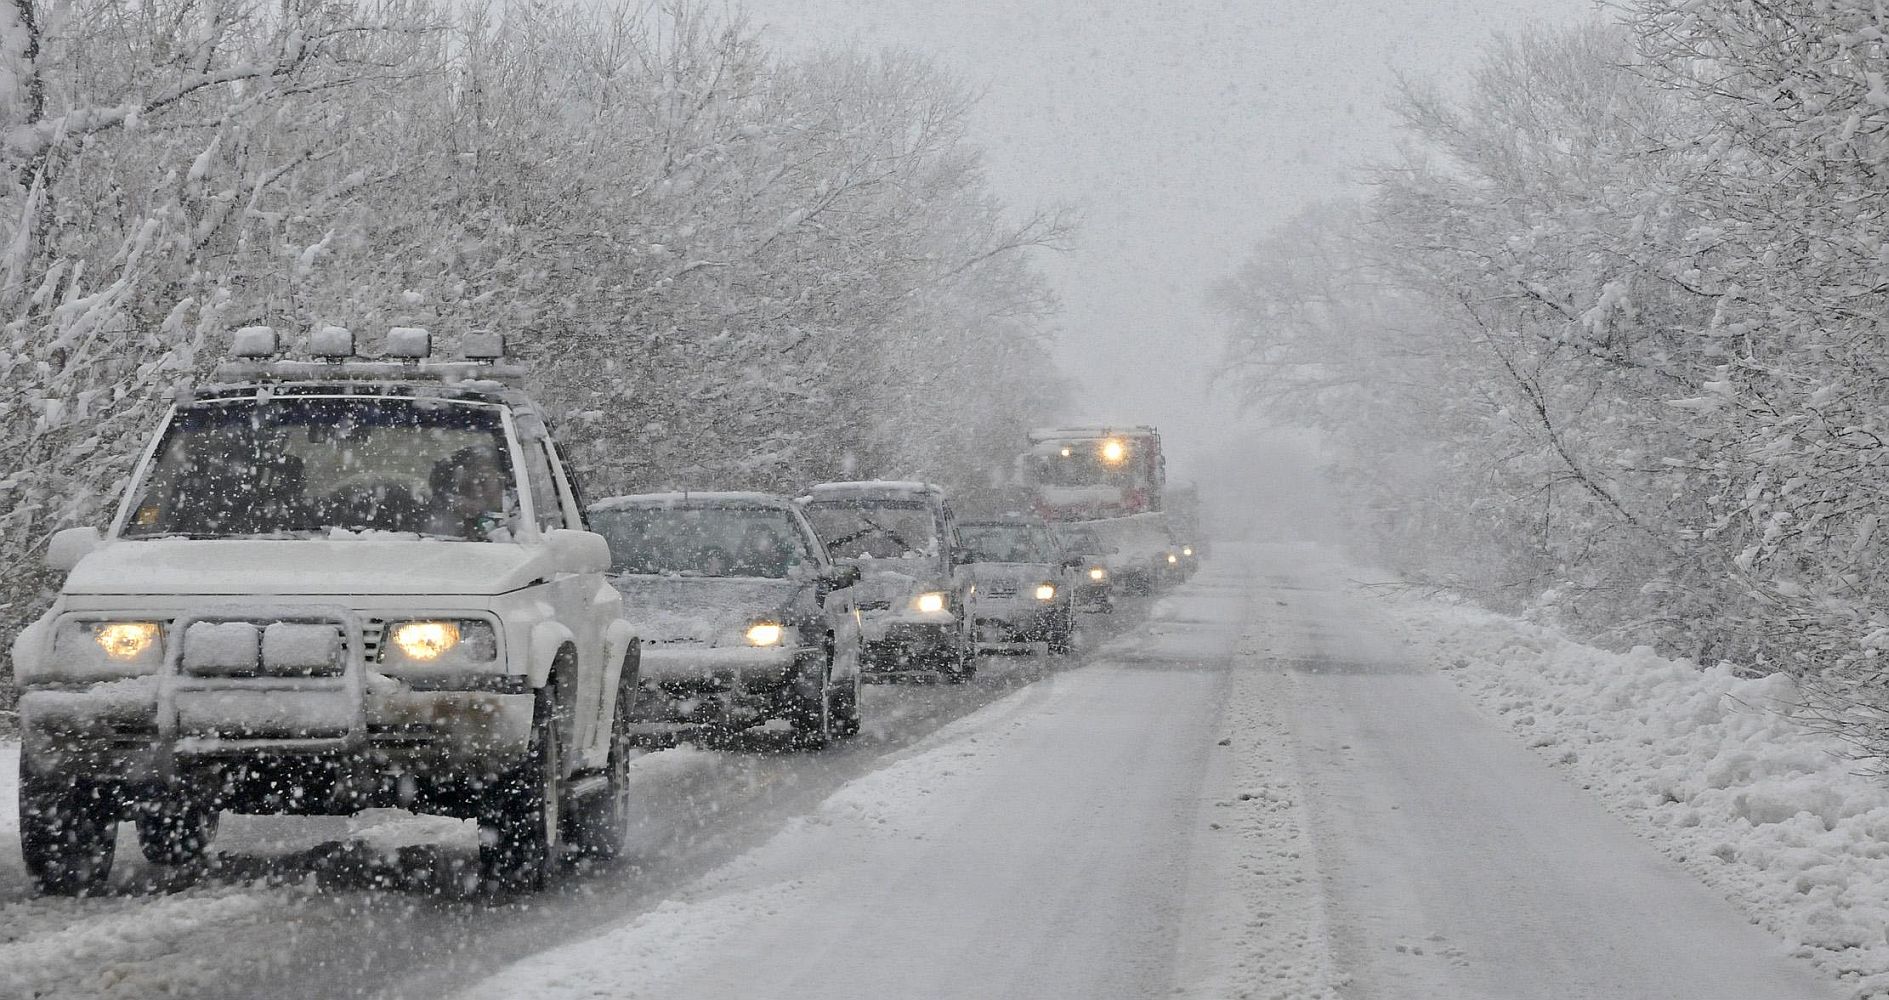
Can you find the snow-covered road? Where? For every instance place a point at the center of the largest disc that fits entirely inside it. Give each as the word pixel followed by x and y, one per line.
pixel 1457 864
pixel 1251 788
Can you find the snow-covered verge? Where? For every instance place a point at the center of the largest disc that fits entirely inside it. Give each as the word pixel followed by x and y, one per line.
pixel 1716 770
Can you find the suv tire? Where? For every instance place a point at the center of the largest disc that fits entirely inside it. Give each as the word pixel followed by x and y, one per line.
pixel 68 833
pixel 600 822
pixel 175 830
pixel 520 835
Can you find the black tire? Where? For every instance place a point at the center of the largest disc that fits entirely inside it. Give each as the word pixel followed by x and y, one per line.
pixel 963 666
pixel 175 832
pixel 1062 634
pixel 600 822
pixel 520 835
pixel 809 707
pixel 843 709
pixel 68 833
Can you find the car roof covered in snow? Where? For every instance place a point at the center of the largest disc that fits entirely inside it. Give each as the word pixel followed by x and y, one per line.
pixel 876 489
pixel 1041 434
pixel 691 498
pixel 1005 518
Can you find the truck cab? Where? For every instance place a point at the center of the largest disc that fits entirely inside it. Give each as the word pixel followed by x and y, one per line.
pixel 332 584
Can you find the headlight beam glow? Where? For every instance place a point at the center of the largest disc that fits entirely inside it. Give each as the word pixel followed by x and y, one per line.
pixel 126 640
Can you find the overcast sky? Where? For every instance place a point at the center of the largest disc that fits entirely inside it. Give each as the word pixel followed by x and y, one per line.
pixel 1182 130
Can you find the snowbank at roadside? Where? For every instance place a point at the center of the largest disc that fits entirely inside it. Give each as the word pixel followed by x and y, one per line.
pixel 1712 768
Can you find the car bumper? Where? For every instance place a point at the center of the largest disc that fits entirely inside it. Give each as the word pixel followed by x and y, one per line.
pixel 1018 626
pixel 697 685
pixel 126 731
pixel 910 641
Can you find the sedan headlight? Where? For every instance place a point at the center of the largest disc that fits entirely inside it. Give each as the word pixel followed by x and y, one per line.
pixel 931 602
pixel 1187 550
pixel 1045 591
pixel 436 641
pixel 1172 558
pixel 765 634
pixel 126 641
pixel 1098 574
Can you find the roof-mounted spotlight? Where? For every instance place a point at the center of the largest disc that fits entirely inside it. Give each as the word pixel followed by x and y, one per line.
pixel 412 342
pixel 483 346
pixel 332 343
pixel 254 342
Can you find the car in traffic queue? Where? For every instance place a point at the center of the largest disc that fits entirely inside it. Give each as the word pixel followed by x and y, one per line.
pixel 1022 590
pixel 1093 583
pixel 332 584
pixel 744 620
pixel 912 595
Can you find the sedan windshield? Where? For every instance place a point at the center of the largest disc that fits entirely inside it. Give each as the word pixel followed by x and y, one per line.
pixel 1014 543
pixel 700 541
pixel 289 467
pixel 876 529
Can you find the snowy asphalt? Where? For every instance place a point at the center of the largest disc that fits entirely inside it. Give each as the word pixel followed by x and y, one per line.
pixel 1248 787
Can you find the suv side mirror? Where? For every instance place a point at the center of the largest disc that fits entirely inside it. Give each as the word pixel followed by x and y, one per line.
pixel 576 551
pixel 67 547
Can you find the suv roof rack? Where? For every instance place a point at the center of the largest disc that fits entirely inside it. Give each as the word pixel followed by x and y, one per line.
pixel 408 359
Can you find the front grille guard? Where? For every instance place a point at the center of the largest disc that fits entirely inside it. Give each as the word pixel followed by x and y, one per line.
pixel 339 698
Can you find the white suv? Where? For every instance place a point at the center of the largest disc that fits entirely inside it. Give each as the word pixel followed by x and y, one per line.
pixel 332 585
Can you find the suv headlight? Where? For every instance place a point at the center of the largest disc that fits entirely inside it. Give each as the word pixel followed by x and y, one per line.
pixel 1098 574
pixel 126 641
pixel 1045 591
pixel 440 642
pixel 930 602
pixel 104 650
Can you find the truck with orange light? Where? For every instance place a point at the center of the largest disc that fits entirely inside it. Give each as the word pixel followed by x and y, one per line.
pixel 1111 479
pixel 1088 473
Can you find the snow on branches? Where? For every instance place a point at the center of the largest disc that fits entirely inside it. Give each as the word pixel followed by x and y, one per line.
pixel 1617 319
pixel 728 268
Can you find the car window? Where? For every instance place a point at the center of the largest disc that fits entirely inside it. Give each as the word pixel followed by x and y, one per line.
pixel 546 506
pixel 876 529
pixel 309 466
pixel 1016 543
pixel 700 541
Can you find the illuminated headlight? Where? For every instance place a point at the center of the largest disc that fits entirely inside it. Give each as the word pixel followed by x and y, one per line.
pixel 1187 550
pixel 1045 591
pixel 1113 451
pixel 440 641
pixel 765 634
pixel 930 602
pixel 105 650
pixel 1172 558
pixel 126 641
pixel 1098 574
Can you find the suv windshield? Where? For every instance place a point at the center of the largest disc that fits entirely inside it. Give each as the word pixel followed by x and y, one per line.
pixel 1014 543
pixel 700 541
pixel 875 529
pixel 309 466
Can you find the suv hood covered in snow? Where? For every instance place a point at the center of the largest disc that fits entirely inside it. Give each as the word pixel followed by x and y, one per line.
pixel 313 567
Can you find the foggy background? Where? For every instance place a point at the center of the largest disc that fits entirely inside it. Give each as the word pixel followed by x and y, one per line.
pixel 1181 130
